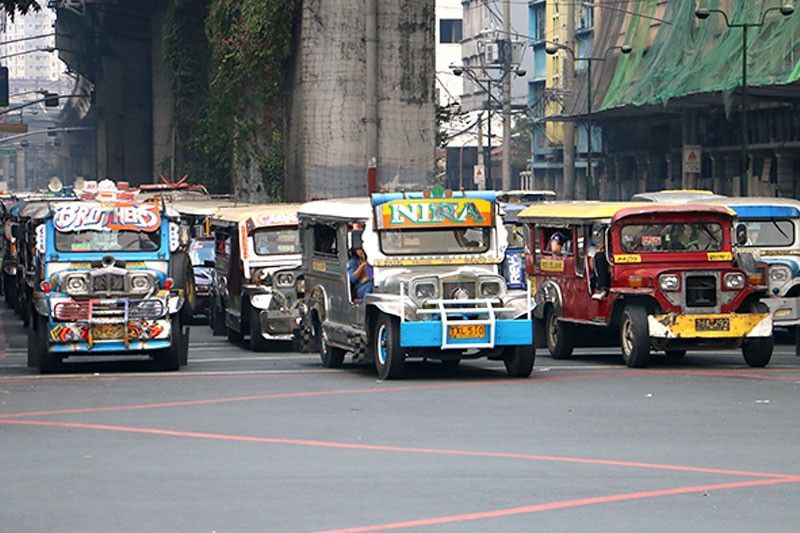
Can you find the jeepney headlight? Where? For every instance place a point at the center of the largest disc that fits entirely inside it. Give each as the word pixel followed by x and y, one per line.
pixel 779 273
pixel 491 288
pixel 76 284
pixel 425 289
pixel 284 279
pixel 141 283
pixel 734 281
pixel 669 282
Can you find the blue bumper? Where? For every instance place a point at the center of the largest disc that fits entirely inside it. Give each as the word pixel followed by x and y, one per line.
pixel 428 334
pixel 109 347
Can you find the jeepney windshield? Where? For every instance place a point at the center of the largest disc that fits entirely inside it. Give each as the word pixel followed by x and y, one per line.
pixel 277 241
pixel 108 241
pixel 436 241
pixel 672 237
pixel 769 233
pixel 201 251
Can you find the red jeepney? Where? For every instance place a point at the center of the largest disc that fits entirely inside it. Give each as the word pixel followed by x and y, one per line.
pixel 662 276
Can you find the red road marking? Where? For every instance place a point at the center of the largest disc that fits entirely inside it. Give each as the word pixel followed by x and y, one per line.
pixel 564 504
pixel 394 449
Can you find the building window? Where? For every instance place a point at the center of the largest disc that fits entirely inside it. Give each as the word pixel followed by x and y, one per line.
pixel 587 17
pixel 539 23
pixel 450 31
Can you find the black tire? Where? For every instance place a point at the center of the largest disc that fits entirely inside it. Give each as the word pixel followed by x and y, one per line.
pixel 39 349
pixel 182 274
pixel 757 352
pixel 390 360
pixel 216 320
pixel 10 290
pixel 257 342
pixel 519 360
pixel 559 335
pixel 170 359
pixel 28 308
pixel 797 341
pixel 634 336
pixel 234 337
pixel 330 356
pixel 675 355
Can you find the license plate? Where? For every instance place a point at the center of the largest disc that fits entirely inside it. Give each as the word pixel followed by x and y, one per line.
pixel 467 332
pixel 712 324
pixel 108 332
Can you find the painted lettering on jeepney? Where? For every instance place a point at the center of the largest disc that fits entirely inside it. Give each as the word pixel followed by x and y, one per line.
pixel 422 213
pixel 720 256
pixel 552 265
pixel 623 259
pixel 94 217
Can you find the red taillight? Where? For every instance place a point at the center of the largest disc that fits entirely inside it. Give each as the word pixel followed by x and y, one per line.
pixel 46 287
pixel 168 284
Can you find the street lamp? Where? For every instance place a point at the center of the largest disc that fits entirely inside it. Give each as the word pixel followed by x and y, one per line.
pixel 553 48
pixel 702 14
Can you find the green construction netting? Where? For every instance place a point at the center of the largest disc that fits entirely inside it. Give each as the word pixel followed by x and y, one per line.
pixel 693 56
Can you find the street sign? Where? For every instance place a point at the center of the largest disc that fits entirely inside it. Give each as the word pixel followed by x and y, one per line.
pixel 691 159
pixel 479 177
pixel 8 152
pixel 13 127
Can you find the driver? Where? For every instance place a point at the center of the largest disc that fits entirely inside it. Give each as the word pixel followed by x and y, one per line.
pixel 359 272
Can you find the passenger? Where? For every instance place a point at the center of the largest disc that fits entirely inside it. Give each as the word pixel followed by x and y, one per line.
pixel 601 272
pixel 359 272
pixel 556 244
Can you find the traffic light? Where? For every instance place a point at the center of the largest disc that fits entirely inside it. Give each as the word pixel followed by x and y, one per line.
pixel 51 99
pixel 3 86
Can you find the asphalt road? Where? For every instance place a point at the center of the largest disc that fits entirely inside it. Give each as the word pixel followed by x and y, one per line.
pixel 240 441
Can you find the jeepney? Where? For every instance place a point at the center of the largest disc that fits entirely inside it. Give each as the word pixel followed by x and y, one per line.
pixel 112 281
pixel 769 229
pixel 677 196
pixel 257 254
pixel 10 256
pixel 436 292
pixel 673 286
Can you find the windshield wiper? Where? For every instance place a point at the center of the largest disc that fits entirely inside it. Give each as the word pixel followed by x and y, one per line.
pixel 775 223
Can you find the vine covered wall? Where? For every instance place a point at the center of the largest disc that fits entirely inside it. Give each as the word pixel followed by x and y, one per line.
pixel 229 60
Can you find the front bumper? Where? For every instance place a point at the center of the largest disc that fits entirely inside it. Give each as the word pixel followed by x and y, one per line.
pixel 279 324
pixel 785 311
pixel 722 327
pixel 109 336
pixel 433 334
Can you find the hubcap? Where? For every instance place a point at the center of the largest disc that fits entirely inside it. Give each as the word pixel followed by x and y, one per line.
pixel 627 336
pixel 382 342
pixel 552 330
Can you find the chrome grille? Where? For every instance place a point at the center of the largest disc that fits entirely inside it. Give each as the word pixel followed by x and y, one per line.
pixel 701 291
pixel 449 288
pixel 108 283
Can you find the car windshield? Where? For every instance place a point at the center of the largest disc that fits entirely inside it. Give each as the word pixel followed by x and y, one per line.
pixel 108 241
pixel 201 251
pixel 672 237
pixel 435 241
pixel 767 233
pixel 277 241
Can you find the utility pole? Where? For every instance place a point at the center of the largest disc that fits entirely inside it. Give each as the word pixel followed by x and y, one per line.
pixel 507 95
pixel 371 115
pixel 480 151
pixel 569 127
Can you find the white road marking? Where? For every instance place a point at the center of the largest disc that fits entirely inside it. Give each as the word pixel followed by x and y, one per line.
pixel 181 374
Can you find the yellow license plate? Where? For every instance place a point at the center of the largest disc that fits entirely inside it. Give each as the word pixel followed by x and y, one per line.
pixel 712 324
pixel 467 332
pixel 108 332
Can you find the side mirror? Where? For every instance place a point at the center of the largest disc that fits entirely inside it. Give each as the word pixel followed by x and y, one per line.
pixel 741 235
pixel 209 263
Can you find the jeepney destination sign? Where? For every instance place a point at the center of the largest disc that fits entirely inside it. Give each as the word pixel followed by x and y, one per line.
pixel 435 212
pixel 98 217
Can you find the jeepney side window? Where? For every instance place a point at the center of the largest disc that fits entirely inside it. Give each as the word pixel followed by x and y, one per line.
pixel 325 242
pixel 556 241
pixel 583 243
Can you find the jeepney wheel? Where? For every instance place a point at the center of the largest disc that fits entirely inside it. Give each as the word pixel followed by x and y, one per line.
pixel 257 342
pixel 182 274
pixel 234 337
pixel 559 335
pixel 635 336
pixel 389 357
pixel 758 351
pixel 10 290
pixel 38 347
pixel 519 360
pixel 170 358
pixel 674 355
pixel 331 356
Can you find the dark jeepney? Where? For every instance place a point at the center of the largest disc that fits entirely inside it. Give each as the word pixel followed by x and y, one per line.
pixel 437 292
pixel 673 282
pixel 257 256
pixel 112 280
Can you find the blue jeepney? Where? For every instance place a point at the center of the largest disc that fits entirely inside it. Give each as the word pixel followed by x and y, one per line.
pixel 111 281
pixel 770 231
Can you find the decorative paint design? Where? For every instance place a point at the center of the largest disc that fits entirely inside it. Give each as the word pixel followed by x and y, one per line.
pixel 84 332
pixel 720 256
pixel 435 261
pixel 99 217
pixel 284 219
pixel 435 213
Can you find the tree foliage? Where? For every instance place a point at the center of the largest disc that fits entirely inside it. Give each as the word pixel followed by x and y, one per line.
pixel 23 7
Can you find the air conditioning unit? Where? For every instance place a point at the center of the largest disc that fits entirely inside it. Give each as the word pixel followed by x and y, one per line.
pixel 491 53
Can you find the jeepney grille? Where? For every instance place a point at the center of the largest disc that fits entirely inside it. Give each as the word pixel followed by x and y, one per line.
pixel 449 288
pixel 108 283
pixel 701 291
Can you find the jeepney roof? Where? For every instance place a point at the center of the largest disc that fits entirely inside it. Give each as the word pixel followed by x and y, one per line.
pixel 339 208
pixel 676 196
pixel 261 215
pixel 521 196
pixel 205 207
pixel 606 212
pixel 659 208
pixel 764 207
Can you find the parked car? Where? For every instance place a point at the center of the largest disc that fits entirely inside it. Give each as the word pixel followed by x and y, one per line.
pixel 257 254
pixel 112 280
pixel 411 275
pixel 662 275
